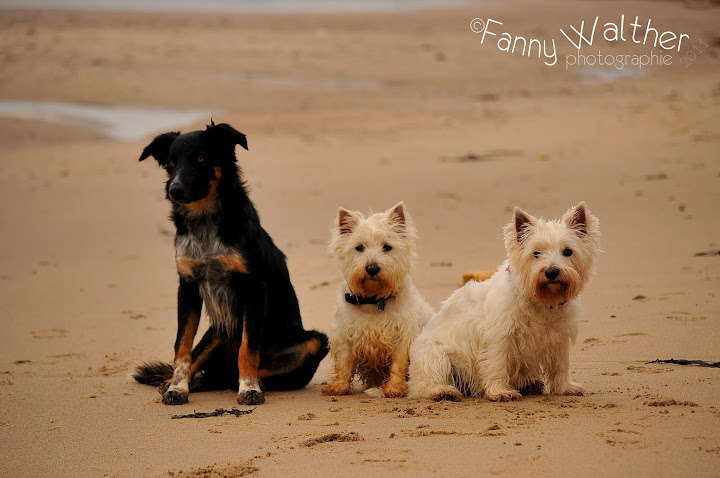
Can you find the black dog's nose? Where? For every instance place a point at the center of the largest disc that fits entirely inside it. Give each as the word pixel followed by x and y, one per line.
pixel 372 270
pixel 176 192
pixel 552 273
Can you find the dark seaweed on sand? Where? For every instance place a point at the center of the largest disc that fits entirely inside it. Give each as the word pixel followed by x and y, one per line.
pixel 699 363
pixel 216 413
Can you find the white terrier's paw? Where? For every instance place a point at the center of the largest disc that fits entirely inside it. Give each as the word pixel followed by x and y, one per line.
pixel 374 392
pixel 447 392
pixel 333 389
pixel 572 388
pixel 391 390
pixel 504 396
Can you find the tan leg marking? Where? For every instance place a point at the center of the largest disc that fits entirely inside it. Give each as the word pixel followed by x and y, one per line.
pixel 248 361
pixel 395 385
pixel 179 387
pixel 249 392
pixel 184 351
pixel 201 359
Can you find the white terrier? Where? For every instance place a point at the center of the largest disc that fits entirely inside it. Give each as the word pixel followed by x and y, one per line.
pixel 379 312
pixel 513 332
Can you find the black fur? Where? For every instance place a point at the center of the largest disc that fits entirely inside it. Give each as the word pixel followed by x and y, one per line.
pixel 209 201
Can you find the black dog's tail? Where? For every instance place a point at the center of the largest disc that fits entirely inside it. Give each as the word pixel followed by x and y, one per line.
pixel 158 373
pixel 153 373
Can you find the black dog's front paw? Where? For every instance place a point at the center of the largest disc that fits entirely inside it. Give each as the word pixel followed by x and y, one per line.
pixel 175 397
pixel 251 397
pixel 163 387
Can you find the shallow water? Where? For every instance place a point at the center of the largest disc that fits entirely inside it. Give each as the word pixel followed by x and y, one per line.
pixel 123 123
pixel 276 6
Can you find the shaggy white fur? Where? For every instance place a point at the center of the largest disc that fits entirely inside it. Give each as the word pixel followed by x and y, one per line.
pixel 513 332
pixel 372 340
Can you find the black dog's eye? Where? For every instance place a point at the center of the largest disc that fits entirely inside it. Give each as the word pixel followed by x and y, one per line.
pixel 360 248
pixel 171 164
pixel 200 159
pixel 387 248
pixel 536 254
pixel 567 252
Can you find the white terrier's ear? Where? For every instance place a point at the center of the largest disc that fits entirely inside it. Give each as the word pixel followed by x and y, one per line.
pixel 398 214
pixel 347 221
pixel 523 222
pixel 577 218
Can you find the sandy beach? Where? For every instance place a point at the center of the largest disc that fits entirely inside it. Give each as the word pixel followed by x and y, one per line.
pixel 362 110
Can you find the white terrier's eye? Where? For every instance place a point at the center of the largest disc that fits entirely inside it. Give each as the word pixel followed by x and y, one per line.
pixel 387 248
pixel 536 254
pixel 360 248
pixel 567 252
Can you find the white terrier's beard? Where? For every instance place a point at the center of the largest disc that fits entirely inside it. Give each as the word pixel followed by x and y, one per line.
pixel 380 286
pixel 552 293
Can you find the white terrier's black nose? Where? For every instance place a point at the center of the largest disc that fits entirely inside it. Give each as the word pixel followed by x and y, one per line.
pixel 372 269
pixel 552 273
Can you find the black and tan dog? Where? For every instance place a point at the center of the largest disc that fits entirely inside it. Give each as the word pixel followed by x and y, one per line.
pixel 228 263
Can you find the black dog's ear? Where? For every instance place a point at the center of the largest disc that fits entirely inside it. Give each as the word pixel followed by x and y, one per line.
pixel 159 148
pixel 227 134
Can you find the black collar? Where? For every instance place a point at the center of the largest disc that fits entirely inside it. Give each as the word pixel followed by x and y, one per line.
pixel 360 300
